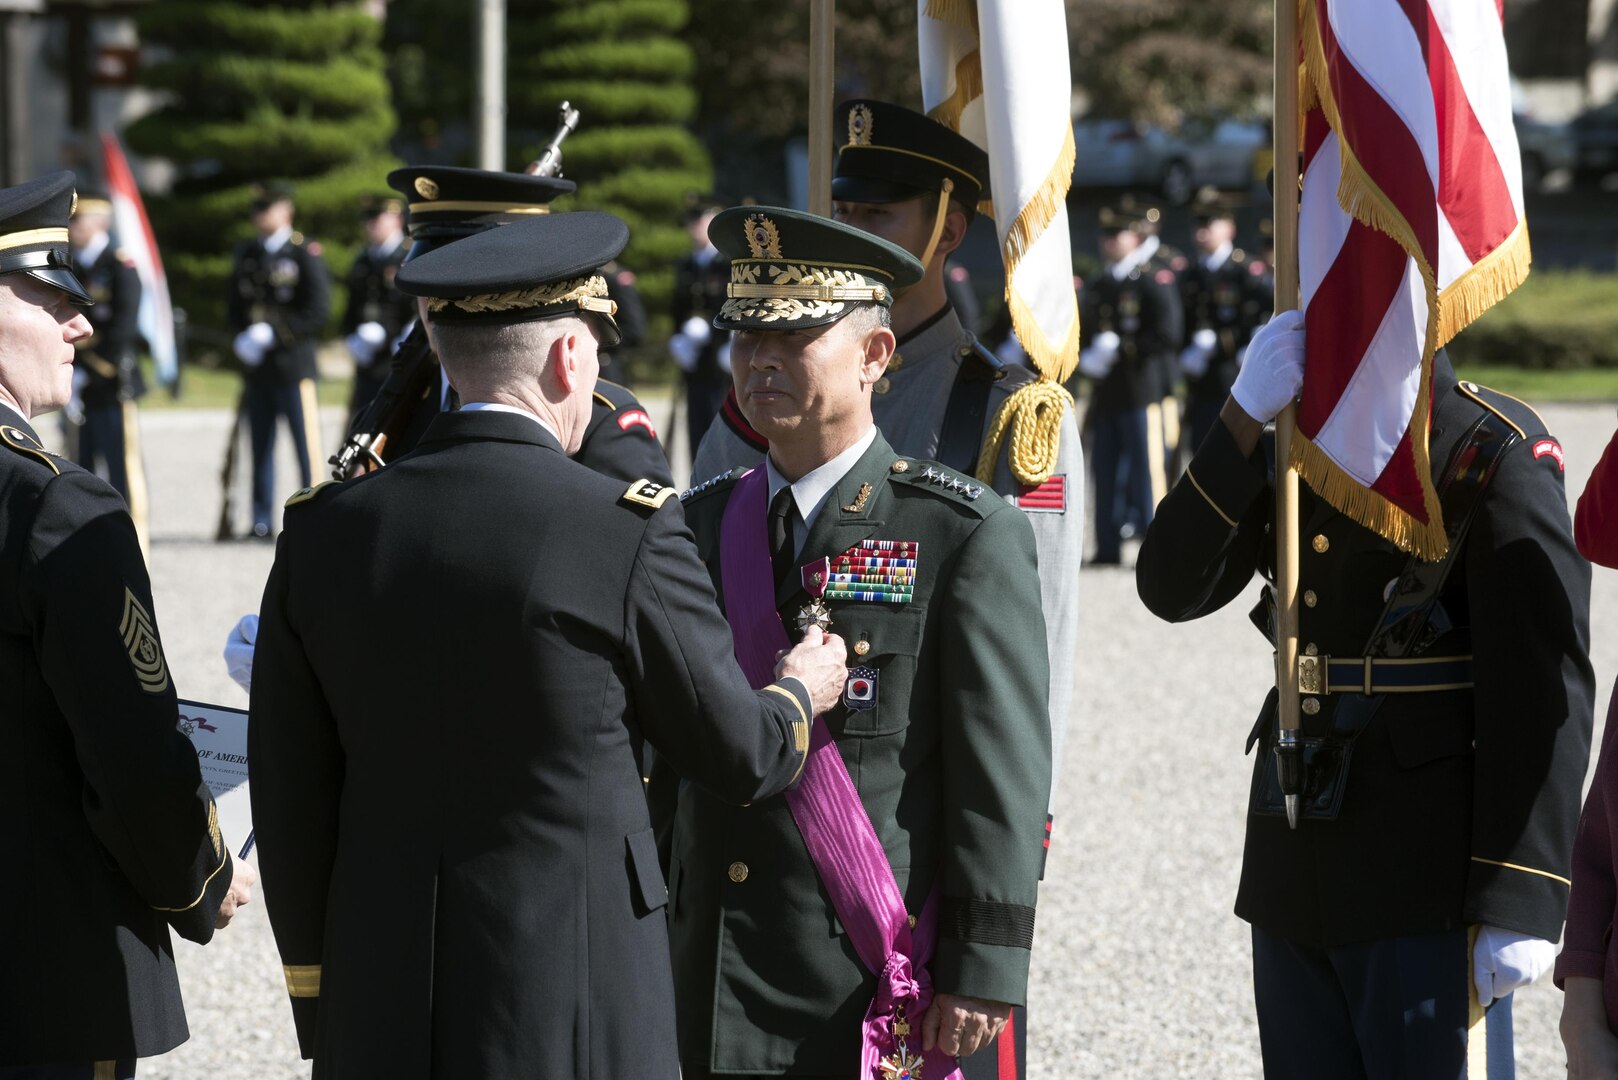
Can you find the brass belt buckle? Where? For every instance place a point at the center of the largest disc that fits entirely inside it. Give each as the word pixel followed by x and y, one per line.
pixel 1312 675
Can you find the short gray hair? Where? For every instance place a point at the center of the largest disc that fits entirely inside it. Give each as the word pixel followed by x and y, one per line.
pixel 481 356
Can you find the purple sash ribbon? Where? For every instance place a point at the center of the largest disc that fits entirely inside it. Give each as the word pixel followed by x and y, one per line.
pixel 842 843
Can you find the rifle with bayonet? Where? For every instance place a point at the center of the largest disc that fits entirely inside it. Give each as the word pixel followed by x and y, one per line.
pixel 413 374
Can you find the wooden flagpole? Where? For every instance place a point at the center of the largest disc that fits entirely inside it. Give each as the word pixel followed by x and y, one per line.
pixel 1286 140
pixel 822 24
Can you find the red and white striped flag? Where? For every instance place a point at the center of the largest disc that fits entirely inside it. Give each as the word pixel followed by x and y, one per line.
pixel 135 236
pixel 1411 226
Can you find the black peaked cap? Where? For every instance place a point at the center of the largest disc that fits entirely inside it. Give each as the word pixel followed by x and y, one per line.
pixel 447 202
pixel 33 233
pixel 889 153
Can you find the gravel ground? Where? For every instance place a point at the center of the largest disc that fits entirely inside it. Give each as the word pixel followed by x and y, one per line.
pixel 1140 969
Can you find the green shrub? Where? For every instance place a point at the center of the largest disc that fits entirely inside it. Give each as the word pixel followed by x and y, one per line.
pixel 1557 319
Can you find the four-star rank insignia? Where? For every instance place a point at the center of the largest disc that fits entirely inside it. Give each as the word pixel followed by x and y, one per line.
pixel 859 692
pixel 145 653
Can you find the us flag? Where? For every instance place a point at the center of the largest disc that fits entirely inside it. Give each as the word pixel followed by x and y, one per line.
pixel 1411 225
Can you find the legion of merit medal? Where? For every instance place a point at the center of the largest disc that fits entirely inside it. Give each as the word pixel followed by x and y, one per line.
pixel 813 613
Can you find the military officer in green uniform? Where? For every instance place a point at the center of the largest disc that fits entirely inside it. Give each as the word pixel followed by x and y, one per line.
pixel 912 181
pixel 942 736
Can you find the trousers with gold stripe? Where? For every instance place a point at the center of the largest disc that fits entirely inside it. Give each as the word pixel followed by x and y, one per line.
pixel 266 403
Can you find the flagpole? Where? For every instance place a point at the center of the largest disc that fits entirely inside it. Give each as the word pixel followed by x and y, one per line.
pixel 1286 130
pixel 822 22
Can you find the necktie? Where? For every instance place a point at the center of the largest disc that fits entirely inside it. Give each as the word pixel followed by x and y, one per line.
pixel 781 511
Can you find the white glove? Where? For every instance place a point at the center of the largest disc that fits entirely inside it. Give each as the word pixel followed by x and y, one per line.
pixel 697 329
pixel 1272 372
pixel 239 651
pixel 364 342
pixel 1195 356
pixel 1097 360
pixel 251 344
pixel 684 350
pixel 1504 960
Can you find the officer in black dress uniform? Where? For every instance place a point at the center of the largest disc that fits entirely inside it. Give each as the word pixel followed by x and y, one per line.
pixel 701 352
pixel 278 302
pixel 1446 727
pixel 108 835
pixel 498 797
pixel 447 204
pixel 377 313
pixel 1226 296
pixel 108 379
pixel 1131 326
pixel 623 290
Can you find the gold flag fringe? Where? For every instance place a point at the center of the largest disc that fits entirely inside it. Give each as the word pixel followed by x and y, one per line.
pixel 1489 281
pixel 961 13
pixel 1040 209
pixel 968 88
pixel 1328 480
pixel 1033 415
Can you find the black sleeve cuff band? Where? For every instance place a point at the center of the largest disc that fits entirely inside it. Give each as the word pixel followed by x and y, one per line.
pixel 987 923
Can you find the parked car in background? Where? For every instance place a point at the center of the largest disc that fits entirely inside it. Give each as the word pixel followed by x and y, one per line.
pixel 1217 152
pixel 1548 151
pixel 1595 135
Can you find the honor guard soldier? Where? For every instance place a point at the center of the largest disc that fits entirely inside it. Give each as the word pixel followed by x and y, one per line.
pixel 109 835
pixel 278 303
pixel 1226 296
pixel 499 792
pixel 623 291
pixel 913 182
pixel 1131 328
pixel 107 379
pixel 447 204
pixel 881 914
pixel 1446 717
pixel 377 313
pixel 700 352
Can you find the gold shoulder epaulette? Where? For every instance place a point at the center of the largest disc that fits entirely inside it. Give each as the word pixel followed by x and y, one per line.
pixel 303 495
pixel 647 493
pixel 22 442
pixel 1503 405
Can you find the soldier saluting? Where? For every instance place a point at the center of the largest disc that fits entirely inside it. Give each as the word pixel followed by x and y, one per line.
pixel 279 298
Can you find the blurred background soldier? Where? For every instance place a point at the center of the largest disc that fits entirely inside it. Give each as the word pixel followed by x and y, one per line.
pixel 278 302
pixel 106 377
pixel 1226 296
pixel 622 290
pixel 701 352
pixel 377 313
pixel 1131 324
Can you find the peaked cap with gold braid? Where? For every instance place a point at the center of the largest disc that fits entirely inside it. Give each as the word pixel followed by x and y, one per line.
pixel 541 268
pixel 790 270
pixel 447 202
pixel 33 233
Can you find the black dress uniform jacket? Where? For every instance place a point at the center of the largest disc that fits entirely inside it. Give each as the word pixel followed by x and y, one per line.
pixel 289 290
pixel 107 834
pixel 372 298
pixel 108 358
pixel 459 866
pixel 1460 805
pixel 1144 311
pixel 951 756
pixel 699 291
pixel 1233 301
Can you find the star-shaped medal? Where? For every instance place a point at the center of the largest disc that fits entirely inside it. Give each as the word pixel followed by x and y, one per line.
pixel 813 613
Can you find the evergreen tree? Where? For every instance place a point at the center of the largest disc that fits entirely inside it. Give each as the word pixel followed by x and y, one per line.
pixel 297 92
pixel 625 67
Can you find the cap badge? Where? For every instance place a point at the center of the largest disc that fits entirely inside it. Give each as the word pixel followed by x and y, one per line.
pixel 860 124
pixel 427 189
pixel 73 206
pixel 763 238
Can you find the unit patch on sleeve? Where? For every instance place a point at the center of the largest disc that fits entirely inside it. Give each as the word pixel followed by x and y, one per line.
pixel 145 653
pixel 1552 449
pixel 1047 498
pixel 636 418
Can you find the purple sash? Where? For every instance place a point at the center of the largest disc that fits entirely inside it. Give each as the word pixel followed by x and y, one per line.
pixel 842 843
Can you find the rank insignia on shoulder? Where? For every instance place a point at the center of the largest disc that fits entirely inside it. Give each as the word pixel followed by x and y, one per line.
pixel 947 481
pixel 303 495
pixel 859 692
pixel 713 482
pixel 648 493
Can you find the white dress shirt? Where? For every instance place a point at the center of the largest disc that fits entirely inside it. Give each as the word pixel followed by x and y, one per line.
pixel 493 406
pixel 809 491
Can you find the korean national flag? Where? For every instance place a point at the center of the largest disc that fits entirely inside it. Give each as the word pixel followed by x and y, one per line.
pixel 859 693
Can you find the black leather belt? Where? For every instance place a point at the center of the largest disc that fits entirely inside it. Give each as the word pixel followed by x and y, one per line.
pixel 1322 675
